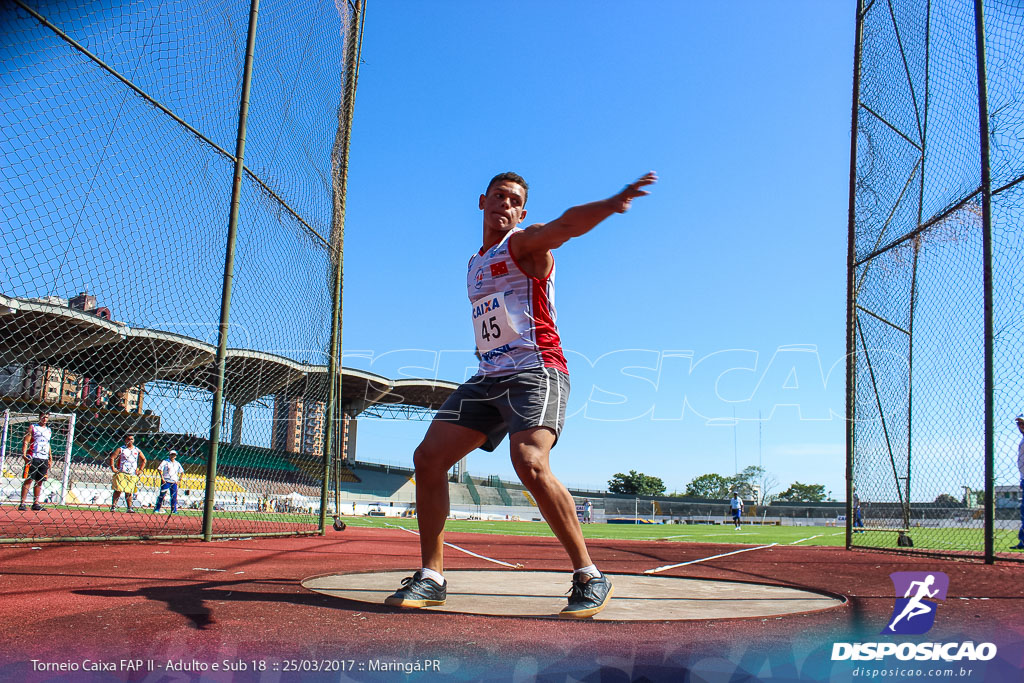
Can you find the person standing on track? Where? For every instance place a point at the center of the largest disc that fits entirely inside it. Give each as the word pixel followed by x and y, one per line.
pixel 521 388
pixel 1020 469
pixel 126 462
pixel 171 473
pixel 858 515
pixel 35 451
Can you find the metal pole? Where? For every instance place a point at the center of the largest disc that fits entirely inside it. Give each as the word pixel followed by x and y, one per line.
pixel 910 384
pixel 340 174
pixel 851 258
pixel 229 270
pixel 986 241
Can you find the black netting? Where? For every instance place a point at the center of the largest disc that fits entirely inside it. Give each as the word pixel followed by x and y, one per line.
pixel 919 431
pixel 119 134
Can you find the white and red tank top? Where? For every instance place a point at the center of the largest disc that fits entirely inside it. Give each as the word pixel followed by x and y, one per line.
pixel 513 313
pixel 39 444
pixel 128 459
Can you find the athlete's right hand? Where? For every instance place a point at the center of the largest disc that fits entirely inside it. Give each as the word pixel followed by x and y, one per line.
pixel 622 201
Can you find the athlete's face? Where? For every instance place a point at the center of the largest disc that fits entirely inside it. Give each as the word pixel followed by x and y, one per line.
pixel 129 441
pixel 503 205
pixel 1020 426
pixel 43 419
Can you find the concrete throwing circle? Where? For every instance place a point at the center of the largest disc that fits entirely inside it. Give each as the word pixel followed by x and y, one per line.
pixel 543 595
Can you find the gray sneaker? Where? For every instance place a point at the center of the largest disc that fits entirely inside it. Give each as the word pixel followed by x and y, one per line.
pixel 417 591
pixel 587 597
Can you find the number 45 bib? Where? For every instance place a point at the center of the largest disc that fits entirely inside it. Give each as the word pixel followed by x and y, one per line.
pixel 491 323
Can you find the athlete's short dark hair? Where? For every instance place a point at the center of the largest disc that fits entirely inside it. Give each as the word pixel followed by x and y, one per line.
pixel 515 178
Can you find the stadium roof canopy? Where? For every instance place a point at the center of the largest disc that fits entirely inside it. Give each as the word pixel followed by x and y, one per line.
pixel 118 356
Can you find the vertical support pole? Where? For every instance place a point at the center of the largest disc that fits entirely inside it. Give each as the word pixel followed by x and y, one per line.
pixel 65 480
pixel 910 381
pixel 229 271
pixel 986 242
pixel 917 251
pixel 342 139
pixel 851 294
pixel 237 417
pixel 3 441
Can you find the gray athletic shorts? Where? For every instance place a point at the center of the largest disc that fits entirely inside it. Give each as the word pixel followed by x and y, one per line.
pixel 496 406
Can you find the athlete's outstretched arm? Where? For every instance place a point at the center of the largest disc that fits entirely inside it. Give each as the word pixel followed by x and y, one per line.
pixel 579 220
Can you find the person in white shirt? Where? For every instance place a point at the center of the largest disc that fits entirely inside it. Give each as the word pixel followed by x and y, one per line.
pixel 737 509
pixel 35 451
pixel 171 473
pixel 1020 468
pixel 126 462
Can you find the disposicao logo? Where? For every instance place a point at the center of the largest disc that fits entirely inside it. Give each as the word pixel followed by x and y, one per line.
pixel 914 613
pixel 917 594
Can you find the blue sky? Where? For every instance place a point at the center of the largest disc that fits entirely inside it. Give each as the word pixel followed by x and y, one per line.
pixel 722 293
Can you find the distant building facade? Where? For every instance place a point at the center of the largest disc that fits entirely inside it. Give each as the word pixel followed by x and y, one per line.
pixel 58 386
pixel 300 426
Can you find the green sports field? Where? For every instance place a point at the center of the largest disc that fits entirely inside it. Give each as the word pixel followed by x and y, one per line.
pixel 947 539
pixel 697 533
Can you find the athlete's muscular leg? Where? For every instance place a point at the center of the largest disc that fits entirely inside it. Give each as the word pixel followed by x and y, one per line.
pixel 444 445
pixel 530 451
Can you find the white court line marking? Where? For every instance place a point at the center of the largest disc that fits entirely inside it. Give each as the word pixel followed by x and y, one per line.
pixel 705 559
pixel 807 539
pixel 468 552
pixel 732 535
pixel 818 536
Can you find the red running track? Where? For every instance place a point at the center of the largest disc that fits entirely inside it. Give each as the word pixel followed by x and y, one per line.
pixel 200 603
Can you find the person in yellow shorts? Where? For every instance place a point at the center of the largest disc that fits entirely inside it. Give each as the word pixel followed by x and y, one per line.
pixel 126 462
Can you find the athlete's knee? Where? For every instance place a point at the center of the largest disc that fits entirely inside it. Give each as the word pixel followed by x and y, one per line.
pixel 427 460
pixel 532 467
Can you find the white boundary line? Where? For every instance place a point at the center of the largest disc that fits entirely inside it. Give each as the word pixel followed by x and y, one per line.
pixel 705 559
pixel 809 538
pixel 468 552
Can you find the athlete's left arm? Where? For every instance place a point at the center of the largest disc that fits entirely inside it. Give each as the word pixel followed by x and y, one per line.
pixel 142 457
pixel 579 220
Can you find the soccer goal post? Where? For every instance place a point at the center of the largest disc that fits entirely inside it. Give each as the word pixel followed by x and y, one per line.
pixel 62 427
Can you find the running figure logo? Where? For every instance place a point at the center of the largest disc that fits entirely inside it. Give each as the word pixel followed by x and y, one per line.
pixel 914 613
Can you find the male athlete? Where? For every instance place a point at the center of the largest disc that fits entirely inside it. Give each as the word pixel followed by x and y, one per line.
pixel 126 461
pixel 521 388
pixel 35 451
pixel 736 503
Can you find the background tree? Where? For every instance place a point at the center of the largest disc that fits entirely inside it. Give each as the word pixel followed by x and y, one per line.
pixel 636 484
pixel 803 493
pixel 769 484
pixel 708 486
pixel 744 483
pixel 947 500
